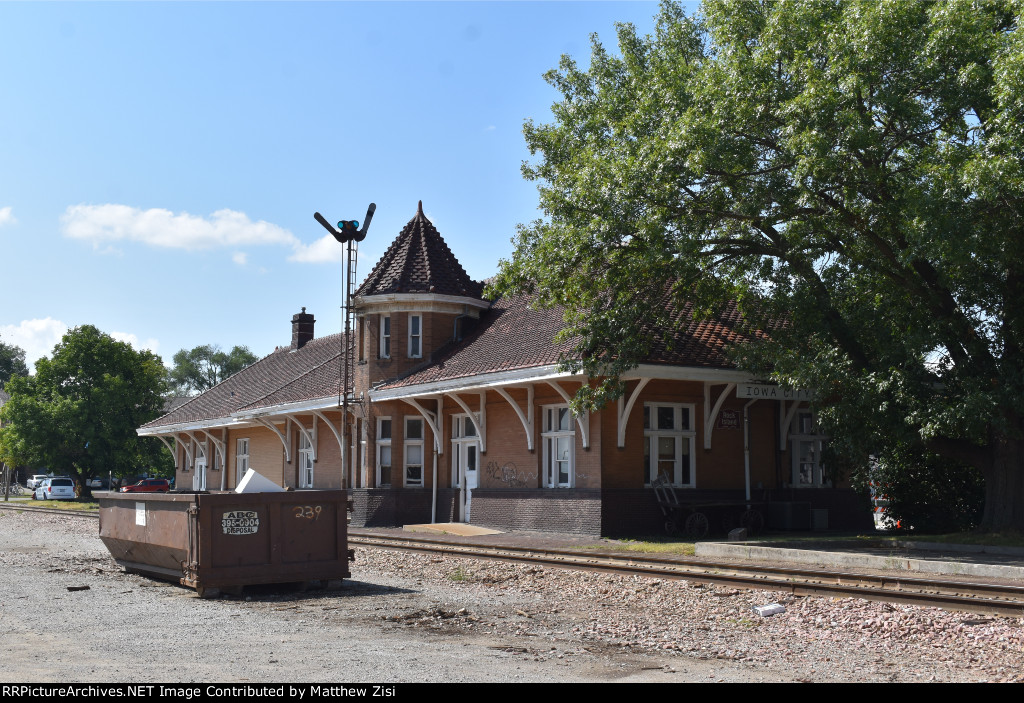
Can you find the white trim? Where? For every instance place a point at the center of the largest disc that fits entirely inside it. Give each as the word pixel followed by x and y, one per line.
pixel 687 373
pixel 309 434
pixel 280 436
pixel 710 417
pixel 786 418
pixel 220 451
pixel 171 448
pixel 406 443
pixel 549 441
pixel 474 383
pixel 327 421
pixel 413 302
pixel 432 420
pixel 239 472
pixel 527 419
pixel 389 443
pixel 188 451
pixel 228 422
pixel 478 382
pixel 479 419
pixel 652 434
pixel 311 452
pixel 582 420
pixel 417 337
pixel 548 372
pixel 382 337
pixel 624 412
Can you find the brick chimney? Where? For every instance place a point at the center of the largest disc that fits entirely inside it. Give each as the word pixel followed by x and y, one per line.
pixel 302 329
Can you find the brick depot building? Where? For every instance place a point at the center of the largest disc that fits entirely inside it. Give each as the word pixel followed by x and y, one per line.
pixel 459 413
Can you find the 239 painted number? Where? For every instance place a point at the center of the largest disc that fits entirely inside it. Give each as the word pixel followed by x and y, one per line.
pixel 309 512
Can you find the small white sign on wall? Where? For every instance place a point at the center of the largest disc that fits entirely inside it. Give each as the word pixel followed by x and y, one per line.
pixel 140 514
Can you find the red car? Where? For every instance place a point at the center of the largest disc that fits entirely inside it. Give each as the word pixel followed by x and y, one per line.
pixel 149 485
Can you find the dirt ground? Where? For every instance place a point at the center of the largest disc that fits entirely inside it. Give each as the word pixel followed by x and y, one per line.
pixel 70 614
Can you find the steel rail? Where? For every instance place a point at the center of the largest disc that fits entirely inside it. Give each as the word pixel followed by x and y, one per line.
pixel 967 596
pixel 975 597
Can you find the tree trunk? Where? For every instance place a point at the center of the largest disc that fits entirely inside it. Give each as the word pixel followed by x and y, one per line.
pixel 1004 484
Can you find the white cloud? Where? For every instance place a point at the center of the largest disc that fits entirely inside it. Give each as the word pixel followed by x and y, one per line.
pixel 36 337
pixel 150 344
pixel 103 224
pixel 6 217
pixel 324 250
pixel 39 337
pixel 162 228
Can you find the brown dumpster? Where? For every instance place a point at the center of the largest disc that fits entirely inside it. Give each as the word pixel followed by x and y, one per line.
pixel 217 541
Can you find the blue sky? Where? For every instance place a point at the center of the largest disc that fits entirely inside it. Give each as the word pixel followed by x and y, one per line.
pixel 160 163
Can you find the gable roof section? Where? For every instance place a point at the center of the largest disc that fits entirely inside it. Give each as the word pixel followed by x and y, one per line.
pixel 419 261
pixel 318 382
pixel 279 374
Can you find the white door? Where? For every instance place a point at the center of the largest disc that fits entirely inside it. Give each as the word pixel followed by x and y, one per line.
pixel 465 466
pixel 199 480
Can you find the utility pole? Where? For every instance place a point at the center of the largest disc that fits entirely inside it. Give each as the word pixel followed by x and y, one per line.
pixel 349 234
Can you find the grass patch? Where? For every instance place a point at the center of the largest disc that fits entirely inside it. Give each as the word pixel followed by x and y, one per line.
pixel 652 545
pixel 460 575
pixel 65 504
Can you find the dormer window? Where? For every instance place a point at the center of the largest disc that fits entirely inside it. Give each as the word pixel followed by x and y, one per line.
pixel 415 336
pixel 385 336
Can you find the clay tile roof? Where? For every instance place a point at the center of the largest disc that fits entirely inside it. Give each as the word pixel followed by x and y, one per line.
pixel 284 375
pixel 419 261
pixel 512 335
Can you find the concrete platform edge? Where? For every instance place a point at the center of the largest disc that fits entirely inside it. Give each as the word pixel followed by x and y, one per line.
pixel 843 559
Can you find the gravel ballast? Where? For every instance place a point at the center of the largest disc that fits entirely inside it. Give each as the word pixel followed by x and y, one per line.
pixel 408 617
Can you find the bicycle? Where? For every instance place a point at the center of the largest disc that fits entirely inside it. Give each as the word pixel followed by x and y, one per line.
pixel 15 489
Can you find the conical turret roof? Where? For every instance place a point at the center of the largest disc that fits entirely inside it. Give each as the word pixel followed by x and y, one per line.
pixel 419 261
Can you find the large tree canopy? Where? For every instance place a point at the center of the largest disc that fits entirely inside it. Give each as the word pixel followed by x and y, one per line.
pixel 12 362
pixel 854 168
pixel 202 368
pixel 78 414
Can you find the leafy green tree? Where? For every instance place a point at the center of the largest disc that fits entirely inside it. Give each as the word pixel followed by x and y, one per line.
pixel 205 366
pixel 853 168
pixel 12 362
pixel 78 414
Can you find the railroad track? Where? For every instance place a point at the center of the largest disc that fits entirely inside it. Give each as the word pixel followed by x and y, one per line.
pixel 968 596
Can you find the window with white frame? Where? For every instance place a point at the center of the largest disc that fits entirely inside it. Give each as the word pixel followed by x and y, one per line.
pixel 465 448
pixel 305 461
pixel 241 458
pixel 669 443
pixel 413 451
pixel 385 337
pixel 415 336
pixel 559 439
pixel 383 452
pixel 807 443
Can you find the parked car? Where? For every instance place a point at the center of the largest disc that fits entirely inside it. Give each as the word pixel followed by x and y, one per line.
pixel 55 489
pixel 149 485
pixel 102 483
pixel 35 480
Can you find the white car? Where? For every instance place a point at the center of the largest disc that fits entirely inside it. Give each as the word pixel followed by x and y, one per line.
pixel 35 480
pixel 55 489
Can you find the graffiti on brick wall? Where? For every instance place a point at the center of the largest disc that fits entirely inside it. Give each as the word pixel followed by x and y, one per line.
pixel 507 473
